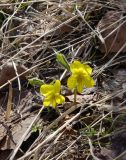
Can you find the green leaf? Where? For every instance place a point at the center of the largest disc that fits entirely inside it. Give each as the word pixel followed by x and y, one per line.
pixel 36 128
pixel 35 81
pixel 62 60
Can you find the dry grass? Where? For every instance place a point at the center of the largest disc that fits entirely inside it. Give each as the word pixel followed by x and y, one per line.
pixel 31 32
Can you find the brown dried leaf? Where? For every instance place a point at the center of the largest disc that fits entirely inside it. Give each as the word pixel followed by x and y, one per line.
pixel 116 40
pixel 7 72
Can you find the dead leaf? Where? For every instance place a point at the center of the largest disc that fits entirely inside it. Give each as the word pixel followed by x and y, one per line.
pixel 120 74
pixel 7 72
pixel 81 98
pixel 116 39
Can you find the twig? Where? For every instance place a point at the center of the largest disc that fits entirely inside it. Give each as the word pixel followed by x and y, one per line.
pixel 91 150
pixel 19 83
pixel 25 134
pixel 9 103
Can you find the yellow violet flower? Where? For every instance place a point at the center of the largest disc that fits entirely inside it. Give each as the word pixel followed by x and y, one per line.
pixel 81 76
pixel 52 94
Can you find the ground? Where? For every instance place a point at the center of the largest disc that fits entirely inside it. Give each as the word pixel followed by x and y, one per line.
pixel 31 34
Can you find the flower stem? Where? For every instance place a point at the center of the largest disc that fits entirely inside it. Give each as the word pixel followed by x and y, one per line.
pixel 75 95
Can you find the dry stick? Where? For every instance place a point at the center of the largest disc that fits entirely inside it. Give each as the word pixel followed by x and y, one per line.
pixel 11 16
pixel 50 137
pixel 116 27
pixel 56 121
pixel 9 103
pixel 71 109
pixel 93 31
pixel 94 123
pixel 61 49
pixel 19 83
pixel 62 127
pixel 110 61
pixel 25 134
pixel 120 156
pixel 38 65
pixel 90 37
pixel 52 30
pixel 91 150
pixel 81 135
pixel 51 145
pixel 101 119
pixel 28 70
pixel 68 147
pixel 10 4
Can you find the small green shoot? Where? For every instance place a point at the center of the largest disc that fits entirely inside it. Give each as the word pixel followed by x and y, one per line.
pixel 35 82
pixel 62 60
pixel 36 128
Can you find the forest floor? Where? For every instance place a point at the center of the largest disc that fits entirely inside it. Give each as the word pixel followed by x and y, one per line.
pixel 32 32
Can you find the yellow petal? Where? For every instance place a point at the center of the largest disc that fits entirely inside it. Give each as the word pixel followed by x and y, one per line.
pixel 46 102
pixel 46 88
pixel 57 86
pixel 87 68
pixel 80 85
pixel 60 99
pixel 71 82
pixel 53 102
pixel 75 66
pixel 89 82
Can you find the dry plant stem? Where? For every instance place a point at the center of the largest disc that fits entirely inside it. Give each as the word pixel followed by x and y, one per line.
pixel 50 137
pixel 110 61
pixel 71 109
pixel 120 156
pixel 9 103
pixel 16 3
pixel 54 30
pixel 36 155
pixel 51 145
pixel 11 80
pixel 47 150
pixel 46 33
pixel 11 16
pixel 68 147
pixel 101 119
pixel 93 31
pixel 91 150
pixel 19 83
pixel 75 96
pixel 81 135
pixel 51 55
pixel 25 134
pixel 62 127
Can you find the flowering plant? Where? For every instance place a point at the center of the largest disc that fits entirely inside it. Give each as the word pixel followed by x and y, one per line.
pixel 52 95
pixel 81 76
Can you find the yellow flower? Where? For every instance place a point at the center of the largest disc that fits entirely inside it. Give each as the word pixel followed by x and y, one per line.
pixel 81 76
pixel 52 94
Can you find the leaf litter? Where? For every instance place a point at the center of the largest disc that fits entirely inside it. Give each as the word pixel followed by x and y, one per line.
pixel 31 33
